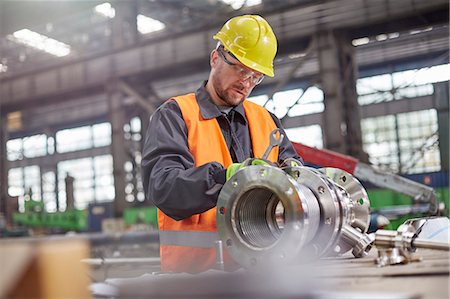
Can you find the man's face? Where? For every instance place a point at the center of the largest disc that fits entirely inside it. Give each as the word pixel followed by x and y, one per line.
pixel 232 81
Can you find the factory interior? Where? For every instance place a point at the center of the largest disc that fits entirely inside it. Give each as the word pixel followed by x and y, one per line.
pixel 361 88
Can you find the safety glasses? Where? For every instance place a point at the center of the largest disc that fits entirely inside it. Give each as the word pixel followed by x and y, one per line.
pixel 242 72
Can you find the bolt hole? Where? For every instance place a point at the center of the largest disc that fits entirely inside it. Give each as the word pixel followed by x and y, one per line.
pixel 229 243
pixel 222 210
pixel 321 190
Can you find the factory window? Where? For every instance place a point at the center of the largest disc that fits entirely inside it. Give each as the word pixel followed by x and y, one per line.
pixel 48 191
pixel 134 190
pixel 294 102
pixel 311 101
pixel 101 134
pixel 35 146
pixel 14 149
pixel 379 142
pixel 374 89
pixel 400 85
pixel 27 147
pixel 25 183
pixel 260 100
pixel 418 137
pixel 81 138
pixel 93 180
pixel 283 100
pixel 310 135
pixel 32 181
pixel 73 139
pixel 15 185
pixel 104 180
pixel 406 143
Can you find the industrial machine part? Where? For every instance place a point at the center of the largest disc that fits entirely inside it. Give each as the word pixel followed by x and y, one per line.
pixel 397 247
pixel 269 214
pixel 421 193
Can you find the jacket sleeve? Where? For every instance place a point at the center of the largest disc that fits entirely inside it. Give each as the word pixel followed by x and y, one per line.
pixel 286 149
pixel 169 177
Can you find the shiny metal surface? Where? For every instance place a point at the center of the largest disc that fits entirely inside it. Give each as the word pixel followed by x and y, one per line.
pixel 266 214
pixel 410 236
pixel 247 221
pixel 358 200
pixel 356 212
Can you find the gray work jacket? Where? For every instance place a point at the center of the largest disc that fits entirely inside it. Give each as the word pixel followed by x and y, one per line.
pixel 169 177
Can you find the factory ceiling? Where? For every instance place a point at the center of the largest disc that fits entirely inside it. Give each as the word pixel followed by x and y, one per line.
pixel 80 36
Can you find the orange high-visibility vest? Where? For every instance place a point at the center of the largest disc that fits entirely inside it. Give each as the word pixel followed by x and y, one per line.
pixel 188 245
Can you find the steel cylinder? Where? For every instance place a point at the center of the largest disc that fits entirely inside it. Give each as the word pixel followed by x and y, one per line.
pixel 268 214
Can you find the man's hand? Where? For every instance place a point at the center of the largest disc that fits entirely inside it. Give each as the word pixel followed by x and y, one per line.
pixel 233 168
pixel 291 162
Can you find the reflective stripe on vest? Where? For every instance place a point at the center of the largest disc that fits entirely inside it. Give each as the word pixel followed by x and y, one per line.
pixel 188 238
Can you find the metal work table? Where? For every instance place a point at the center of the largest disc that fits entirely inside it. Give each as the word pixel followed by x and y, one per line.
pixel 341 277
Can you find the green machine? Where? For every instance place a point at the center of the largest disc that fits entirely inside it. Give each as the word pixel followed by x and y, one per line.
pixel 141 215
pixel 36 217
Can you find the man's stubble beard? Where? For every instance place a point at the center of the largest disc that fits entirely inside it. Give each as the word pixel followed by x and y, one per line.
pixel 224 95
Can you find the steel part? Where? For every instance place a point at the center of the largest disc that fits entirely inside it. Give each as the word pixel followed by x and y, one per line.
pixel 270 214
pixel 406 239
pixel 394 239
pixel 429 244
pixel 408 236
pixel 155 261
pixel 431 228
pixel 395 256
pixel 420 192
pixel 274 141
pixel 330 207
pixel 360 243
pixel 249 234
pixel 219 255
pixel 357 214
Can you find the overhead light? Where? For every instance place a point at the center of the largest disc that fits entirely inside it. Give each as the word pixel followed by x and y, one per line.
pixel 360 41
pixel 3 68
pixel 144 24
pixel 297 55
pixel 421 30
pixel 40 42
pixel 381 37
pixel 106 10
pixel 238 4
pixel 393 35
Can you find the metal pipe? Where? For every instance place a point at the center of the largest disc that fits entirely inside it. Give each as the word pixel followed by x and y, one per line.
pixel 268 214
pixel 430 244
pixel 120 261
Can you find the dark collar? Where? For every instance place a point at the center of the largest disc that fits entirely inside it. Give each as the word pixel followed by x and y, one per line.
pixel 208 109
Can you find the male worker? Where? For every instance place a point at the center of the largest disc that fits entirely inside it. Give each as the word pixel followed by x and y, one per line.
pixel 192 139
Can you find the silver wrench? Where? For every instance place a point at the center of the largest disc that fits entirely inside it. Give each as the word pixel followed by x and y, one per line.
pixel 274 141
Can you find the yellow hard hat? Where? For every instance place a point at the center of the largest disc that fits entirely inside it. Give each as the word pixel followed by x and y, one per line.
pixel 251 40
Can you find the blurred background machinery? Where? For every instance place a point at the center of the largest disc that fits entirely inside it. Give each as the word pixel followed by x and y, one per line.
pixel 78 83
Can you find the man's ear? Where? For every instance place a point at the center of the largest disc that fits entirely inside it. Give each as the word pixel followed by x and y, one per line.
pixel 213 58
